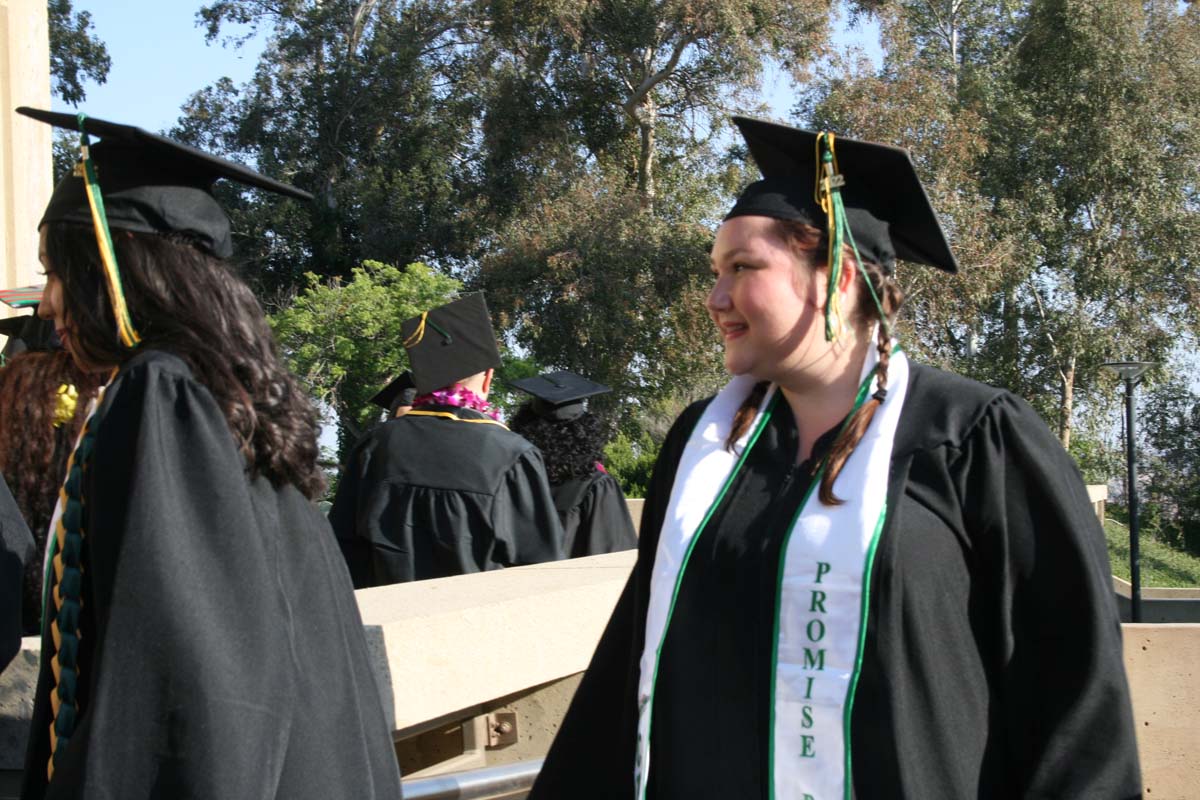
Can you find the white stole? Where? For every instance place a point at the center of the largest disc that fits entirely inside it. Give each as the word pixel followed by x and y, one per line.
pixel 822 585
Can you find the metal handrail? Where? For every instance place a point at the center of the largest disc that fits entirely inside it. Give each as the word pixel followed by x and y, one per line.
pixel 507 782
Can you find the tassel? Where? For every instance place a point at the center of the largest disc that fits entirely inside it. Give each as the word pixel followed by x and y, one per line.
pixel 108 257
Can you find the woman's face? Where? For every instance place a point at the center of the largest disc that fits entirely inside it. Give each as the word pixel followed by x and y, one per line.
pixel 53 307
pixel 766 303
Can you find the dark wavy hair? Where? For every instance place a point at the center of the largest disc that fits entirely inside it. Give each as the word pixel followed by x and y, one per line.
pixel 188 302
pixel 34 452
pixel 570 448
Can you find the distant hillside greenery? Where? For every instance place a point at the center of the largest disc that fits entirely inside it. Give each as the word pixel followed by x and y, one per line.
pixel 1163 566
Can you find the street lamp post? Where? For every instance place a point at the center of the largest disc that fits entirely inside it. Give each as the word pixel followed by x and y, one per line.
pixel 1130 372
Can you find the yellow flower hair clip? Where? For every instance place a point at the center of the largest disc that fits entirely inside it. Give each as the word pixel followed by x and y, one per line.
pixel 67 398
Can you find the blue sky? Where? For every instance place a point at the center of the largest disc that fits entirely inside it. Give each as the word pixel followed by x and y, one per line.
pixel 159 58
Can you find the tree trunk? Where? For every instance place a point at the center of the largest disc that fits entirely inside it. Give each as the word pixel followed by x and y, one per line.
pixel 1068 403
pixel 647 119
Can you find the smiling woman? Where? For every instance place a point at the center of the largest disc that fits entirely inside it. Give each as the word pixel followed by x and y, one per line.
pixel 185 558
pixel 857 575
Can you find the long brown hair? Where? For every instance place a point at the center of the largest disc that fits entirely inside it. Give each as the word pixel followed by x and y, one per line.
pixel 187 302
pixel 810 245
pixel 34 449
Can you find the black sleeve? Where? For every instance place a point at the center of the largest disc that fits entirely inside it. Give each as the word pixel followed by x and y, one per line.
pixel 605 525
pixel 592 756
pixel 524 520
pixel 193 682
pixel 344 515
pixel 1065 703
pixel 16 548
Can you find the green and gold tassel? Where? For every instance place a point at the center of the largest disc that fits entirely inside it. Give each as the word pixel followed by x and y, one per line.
pixel 87 170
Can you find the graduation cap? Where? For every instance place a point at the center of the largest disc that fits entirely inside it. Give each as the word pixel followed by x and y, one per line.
pixel 28 333
pixel 139 181
pixel 399 392
pixel 884 205
pixel 559 395
pixel 449 343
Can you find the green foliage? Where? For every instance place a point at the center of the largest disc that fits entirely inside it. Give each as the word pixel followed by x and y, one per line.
pixel 1171 498
pixel 592 284
pixel 342 338
pixel 1097 459
pixel 1059 142
pixel 631 461
pixel 1106 190
pixel 370 106
pixel 76 54
pixel 639 80
pixel 1162 565
pixel 512 368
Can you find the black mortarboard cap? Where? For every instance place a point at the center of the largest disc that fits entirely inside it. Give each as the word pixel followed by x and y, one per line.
pixel 450 342
pixel 151 184
pixel 559 395
pixel 28 333
pixel 886 206
pixel 399 392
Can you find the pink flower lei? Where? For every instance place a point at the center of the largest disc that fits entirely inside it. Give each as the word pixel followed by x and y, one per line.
pixel 458 396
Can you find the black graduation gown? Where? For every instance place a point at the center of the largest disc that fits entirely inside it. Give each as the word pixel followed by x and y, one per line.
pixel 992 664
pixel 594 514
pixel 433 496
pixel 221 650
pixel 16 550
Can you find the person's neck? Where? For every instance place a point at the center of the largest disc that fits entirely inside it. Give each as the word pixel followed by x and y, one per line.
pixel 820 399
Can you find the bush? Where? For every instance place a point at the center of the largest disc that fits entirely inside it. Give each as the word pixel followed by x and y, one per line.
pixel 631 462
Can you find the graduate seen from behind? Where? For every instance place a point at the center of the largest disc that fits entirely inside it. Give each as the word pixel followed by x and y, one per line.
pixel 447 488
pixel 201 637
pixel 857 576
pixel 590 503
pixel 397 397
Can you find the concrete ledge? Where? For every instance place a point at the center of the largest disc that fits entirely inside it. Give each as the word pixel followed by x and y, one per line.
pixel 1164 678
pixel 445 645
pixel 1098 495
pixel 635 505
pixel 1158 605
pixel 447 650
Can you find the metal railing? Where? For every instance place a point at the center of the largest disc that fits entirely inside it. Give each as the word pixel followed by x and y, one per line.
pixel 507 782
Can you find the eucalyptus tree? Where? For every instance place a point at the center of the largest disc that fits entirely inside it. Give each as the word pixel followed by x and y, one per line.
pixel 1096 139
pixel 368 104
pixel 631 70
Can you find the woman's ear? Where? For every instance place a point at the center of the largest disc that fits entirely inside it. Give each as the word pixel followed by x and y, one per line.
pixel 850 271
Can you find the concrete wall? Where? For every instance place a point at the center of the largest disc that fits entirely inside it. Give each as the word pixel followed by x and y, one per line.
pixel 25 164
pixel 450 652
pixel 1098 494
pixel 1158 605
pixel 446 646
pixel 1164 677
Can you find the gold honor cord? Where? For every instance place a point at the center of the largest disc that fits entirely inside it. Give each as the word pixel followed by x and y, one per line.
pixel 63 585
pixel 108 257
pixel 455 418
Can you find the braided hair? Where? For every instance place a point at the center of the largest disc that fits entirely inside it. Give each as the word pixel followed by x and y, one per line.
pixel 809 245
